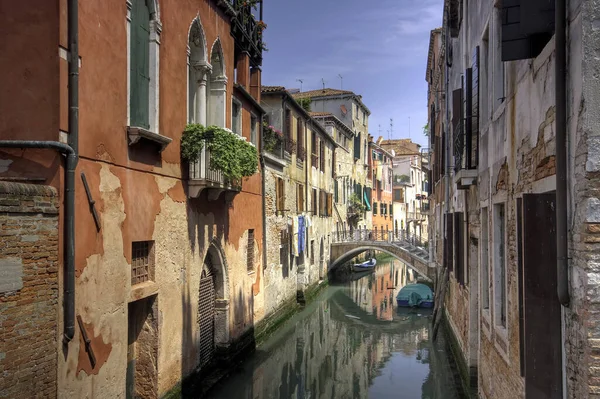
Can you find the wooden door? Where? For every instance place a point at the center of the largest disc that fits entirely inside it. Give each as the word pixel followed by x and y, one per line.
pixel 542 311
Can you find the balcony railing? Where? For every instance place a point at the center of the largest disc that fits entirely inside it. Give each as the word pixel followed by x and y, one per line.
pixel 418 215
pixel 247 31
pixel 202 176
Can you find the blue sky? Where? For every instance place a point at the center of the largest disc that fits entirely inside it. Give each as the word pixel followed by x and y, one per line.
pixel 379 47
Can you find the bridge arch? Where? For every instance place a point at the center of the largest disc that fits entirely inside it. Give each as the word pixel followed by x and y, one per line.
pixel 355 251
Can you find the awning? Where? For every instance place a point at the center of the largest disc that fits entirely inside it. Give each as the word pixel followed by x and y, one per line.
pixel 367 201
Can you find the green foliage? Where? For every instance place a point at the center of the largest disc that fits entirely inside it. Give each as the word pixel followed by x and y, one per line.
pixel 229 153
pixel 426 130
pixel 272 137
pixel 402 178
pixel 305 103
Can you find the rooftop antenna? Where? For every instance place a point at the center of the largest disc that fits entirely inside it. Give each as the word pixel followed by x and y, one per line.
pixel 301 81
pixel 323 81
pixel 341 82
pixel 379 130
pixel 391 129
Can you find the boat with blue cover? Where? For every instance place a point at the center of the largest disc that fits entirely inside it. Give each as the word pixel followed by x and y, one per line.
pixel 415 296
pixel 365 266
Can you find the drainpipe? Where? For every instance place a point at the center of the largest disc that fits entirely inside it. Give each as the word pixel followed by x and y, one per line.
pixel 69 220
pixel 264 203
pixel 72 152
pixel 561 154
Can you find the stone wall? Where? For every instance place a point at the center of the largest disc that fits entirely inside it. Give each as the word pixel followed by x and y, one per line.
pixel 28 290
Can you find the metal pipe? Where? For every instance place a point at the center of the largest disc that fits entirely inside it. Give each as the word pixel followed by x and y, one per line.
pixel 69 227
pixel 562 262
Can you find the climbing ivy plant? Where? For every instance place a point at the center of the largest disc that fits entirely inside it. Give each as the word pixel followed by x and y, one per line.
pixel 229 152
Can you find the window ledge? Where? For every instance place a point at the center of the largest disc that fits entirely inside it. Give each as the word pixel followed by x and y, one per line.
pixel 142 290
pixel 135 133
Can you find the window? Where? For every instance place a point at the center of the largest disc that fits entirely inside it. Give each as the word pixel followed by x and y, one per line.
pixel 382 212
pixel 498 68
pixel 484 77
pixel 300 197
pixel 250 251
pixel 322 155
pixel 288 124
pixel 236 116
pixel 485 272
pixel 279 194
pixel 312 252
pixel 253 129
pixel 143 40
pixel 364 118
pixel 300 138
pixel 374 208
pixel 142 262
pixel 314 202
pixel 499 266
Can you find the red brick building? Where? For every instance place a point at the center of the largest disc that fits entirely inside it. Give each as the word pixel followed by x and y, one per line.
pixel 167 272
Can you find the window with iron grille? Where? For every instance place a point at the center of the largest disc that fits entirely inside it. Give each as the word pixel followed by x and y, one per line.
pixel 250 251
pixel 142 262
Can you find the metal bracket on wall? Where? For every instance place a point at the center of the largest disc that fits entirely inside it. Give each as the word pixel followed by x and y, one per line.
pixel 91 201
pixel 88 342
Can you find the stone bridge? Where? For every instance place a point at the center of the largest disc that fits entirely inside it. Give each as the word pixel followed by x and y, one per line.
pixel 408 249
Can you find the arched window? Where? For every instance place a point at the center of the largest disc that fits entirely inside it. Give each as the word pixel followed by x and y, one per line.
pixel 218 86
pixel 198 69
pixel 143 42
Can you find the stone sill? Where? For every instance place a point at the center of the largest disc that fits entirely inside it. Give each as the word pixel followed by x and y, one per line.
pixel 465 178
pixel 135 133
pixel 143 290
pixel 274 159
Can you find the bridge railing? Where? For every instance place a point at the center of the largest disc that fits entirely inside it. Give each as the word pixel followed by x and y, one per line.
pixel 390 236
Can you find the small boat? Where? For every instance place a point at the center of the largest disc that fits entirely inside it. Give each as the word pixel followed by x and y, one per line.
pixel 415 296
pixel 365 266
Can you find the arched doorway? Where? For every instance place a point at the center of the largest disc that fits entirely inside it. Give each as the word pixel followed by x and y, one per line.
pixel 206 314
pixel 213 305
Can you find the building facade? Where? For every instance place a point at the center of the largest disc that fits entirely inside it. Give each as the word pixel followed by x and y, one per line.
pixel 299 186
pixel 519 217
pixel 410 178
pixel 348 107
pixel 382 175
pixel 344 171
pixel 165 265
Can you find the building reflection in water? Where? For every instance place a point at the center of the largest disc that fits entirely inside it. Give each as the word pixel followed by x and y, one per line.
pixel 352 342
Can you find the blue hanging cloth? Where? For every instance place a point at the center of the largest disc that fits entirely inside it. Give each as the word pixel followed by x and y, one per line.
pixel 301 234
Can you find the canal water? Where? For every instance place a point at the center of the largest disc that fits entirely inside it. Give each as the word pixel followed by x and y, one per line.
pixel 352 341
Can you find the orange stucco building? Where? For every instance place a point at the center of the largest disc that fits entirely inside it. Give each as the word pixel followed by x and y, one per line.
pixel 167 257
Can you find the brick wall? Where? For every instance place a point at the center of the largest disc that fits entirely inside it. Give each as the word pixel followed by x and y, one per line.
pixel 28 290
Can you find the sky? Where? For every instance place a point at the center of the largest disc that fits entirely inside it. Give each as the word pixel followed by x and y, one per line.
pixel 379 47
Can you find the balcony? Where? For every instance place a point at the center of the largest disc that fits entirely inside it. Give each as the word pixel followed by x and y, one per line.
pixel 246 30
pixel 203 177
pixel 466 154
pixel 416 216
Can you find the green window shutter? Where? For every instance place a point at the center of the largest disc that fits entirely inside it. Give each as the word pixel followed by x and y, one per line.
pixel 140 64
pixel 336 190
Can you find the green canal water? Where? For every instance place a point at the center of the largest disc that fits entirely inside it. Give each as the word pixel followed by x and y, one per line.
pixel 351 341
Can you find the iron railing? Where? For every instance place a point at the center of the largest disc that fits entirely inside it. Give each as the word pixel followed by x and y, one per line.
pixel 401 238
pixel 418 215
pixel 201 170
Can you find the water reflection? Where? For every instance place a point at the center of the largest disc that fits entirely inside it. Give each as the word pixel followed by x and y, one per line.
pixel 352 342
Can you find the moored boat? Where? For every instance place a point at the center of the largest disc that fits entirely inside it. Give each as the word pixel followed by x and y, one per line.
pixel 415 296
pixel 365 266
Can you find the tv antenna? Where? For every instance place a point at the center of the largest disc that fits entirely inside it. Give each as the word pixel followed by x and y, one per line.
pixel 391 129
pixel 323 81
pixel 341 82
pixel 301 81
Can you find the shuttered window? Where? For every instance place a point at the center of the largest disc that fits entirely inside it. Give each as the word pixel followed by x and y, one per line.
pixel 280 194
pixel 357 147
pixel 329 204
pixel 140 65
pixel 300 199
pixel 314 202
pixel 335 189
